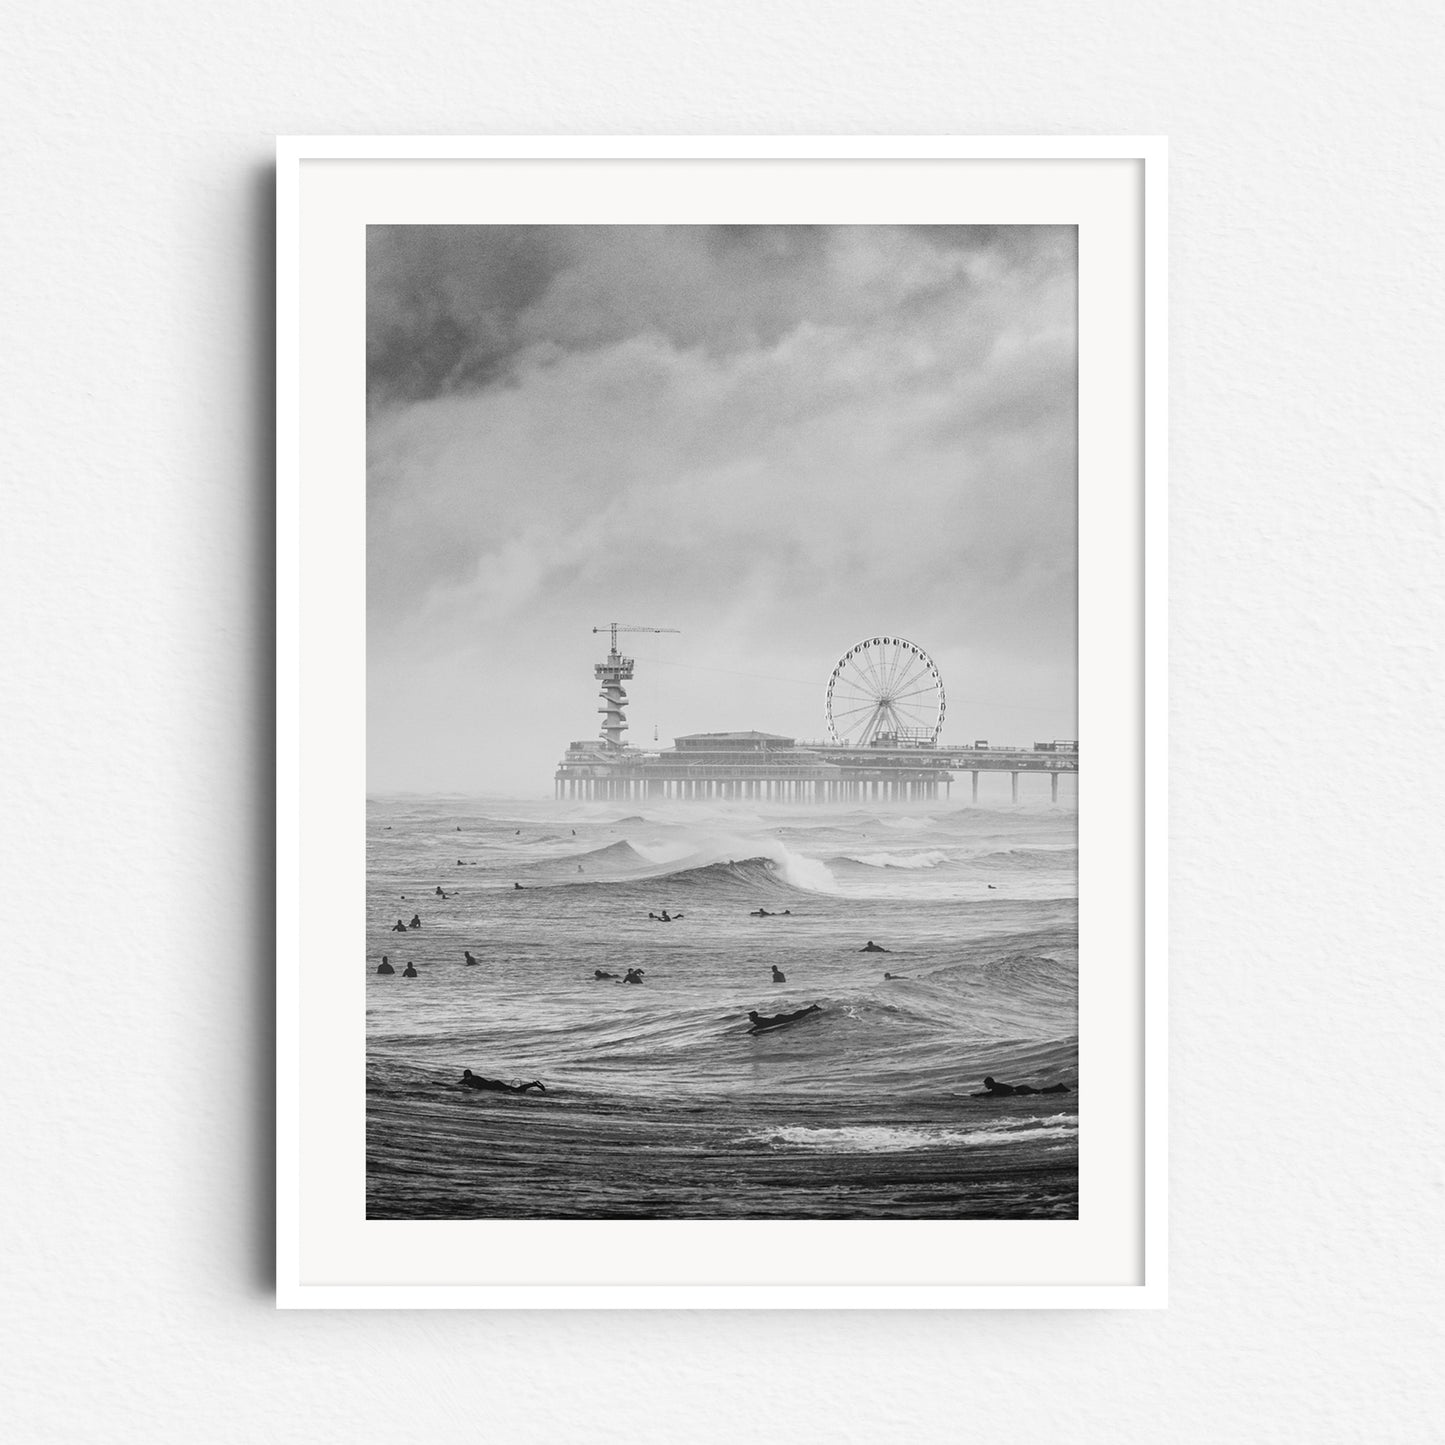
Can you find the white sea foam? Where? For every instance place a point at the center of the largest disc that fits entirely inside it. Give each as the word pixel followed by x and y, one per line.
pixel 888 1139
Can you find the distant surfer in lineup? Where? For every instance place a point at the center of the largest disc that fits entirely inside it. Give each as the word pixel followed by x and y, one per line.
pixel 895 975
pixel 602 973
pixel 415 920
pixel 778 975
pixel 633 975
pixel 440 894
pixel 385 965
pixel 871 947
pixel 760 913
pixel 992 1089
pixel 471 962
pixel 409 971
pixel 517 886
pixel 469 1080
pixel 762 1022
pixel 399 927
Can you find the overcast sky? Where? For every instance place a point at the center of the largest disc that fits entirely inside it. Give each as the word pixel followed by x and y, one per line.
pixel 779 440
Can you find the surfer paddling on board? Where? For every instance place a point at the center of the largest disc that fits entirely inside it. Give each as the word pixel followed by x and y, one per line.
pixel 775 1021
pixel 871 947
pixel 992 1089
pixel 469 1080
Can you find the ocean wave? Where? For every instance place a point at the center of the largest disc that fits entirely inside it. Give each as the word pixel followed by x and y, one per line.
pixel 619 852
pixel 735 875
pixel 931 858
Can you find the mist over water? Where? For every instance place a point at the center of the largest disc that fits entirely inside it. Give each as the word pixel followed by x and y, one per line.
pixel 659 1102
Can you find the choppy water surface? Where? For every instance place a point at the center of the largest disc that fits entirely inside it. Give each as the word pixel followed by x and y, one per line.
pixel 659 1103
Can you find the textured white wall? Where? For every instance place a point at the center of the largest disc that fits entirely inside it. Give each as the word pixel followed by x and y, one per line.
pixel 135 1007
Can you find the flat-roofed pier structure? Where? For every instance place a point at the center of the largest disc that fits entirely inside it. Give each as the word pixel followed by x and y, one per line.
pixel 768 767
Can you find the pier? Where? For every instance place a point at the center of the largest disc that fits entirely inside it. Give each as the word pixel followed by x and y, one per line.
pixel 884 744
pixel 768 767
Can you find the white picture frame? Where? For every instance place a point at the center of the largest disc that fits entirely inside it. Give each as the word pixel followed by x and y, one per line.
pixel 329 1255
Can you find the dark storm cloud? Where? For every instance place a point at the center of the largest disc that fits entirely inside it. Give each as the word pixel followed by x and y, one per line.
pixel 773 437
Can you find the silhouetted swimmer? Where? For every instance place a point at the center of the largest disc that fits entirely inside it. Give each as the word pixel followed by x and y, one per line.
pixel 992 1089
pixel 398 927
pixel 466 954
pixel 469 1080
pixel 633 975
pixel 895 975
pixel 385 965
pixel 415 921
pixel 771 1021
pixel 517 886
pixel 459 862
pixel 440 894
pixel 602 973
pixel 409 971
pixel 760 913
pixel 871 947
pixel 778 975
pixel 993 885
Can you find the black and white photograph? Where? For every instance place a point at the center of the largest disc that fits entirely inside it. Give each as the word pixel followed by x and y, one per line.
pixel 722 749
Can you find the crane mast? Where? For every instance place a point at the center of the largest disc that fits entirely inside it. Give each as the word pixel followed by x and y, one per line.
pixel 612 674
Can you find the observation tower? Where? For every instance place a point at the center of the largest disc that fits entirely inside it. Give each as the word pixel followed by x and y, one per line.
pixel 612 674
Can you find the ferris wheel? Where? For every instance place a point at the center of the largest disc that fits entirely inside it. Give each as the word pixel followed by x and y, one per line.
pixel 885 689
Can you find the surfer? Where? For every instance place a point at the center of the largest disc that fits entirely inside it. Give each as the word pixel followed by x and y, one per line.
pixel 385 965
pixel 633 975
pixel 471 962
pixel 760 913
pixel 399 927
pixel 409 971
pixel 778 975
pixel 415 921
pixel 602 973
pixel 440 894
pixel 772 1021
pixel 992 1089
pixel 469 1080
pixel 517 886
pixel 895 975
pixel 871 947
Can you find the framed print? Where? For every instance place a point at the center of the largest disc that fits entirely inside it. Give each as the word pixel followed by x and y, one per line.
pixel 720 713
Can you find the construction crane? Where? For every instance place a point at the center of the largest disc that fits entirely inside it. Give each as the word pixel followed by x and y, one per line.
pixel 612 674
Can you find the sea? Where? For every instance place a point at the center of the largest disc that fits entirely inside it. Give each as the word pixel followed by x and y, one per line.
pixel 659 1103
